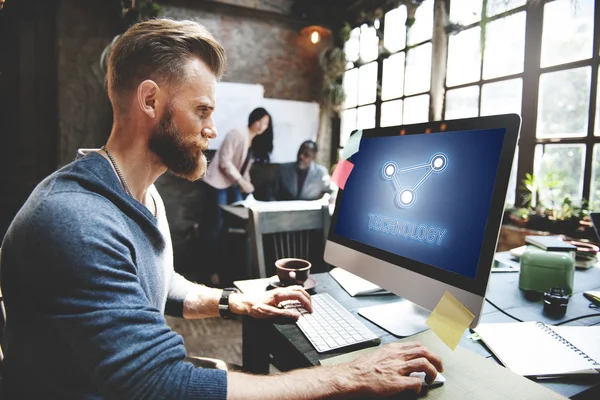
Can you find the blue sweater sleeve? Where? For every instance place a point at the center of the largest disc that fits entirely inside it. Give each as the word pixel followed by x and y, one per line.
pixel 98 307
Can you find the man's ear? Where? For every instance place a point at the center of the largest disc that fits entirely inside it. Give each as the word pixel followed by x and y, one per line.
pixel 147 97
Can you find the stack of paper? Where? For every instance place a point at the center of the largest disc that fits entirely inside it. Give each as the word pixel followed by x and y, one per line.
pixel 355 285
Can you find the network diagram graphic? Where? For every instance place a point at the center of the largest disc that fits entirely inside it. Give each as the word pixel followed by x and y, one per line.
pixel 407 195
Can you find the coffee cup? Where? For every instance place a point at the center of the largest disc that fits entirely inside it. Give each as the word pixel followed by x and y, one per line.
pixel 292 271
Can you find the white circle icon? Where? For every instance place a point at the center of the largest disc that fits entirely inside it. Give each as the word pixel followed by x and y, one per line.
pixel 406 196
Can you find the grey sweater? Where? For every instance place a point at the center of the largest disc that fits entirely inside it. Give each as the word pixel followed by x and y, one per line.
pixel 86 274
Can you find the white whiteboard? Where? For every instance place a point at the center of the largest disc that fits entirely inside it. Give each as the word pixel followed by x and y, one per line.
pixel 235 102
pixel 293 123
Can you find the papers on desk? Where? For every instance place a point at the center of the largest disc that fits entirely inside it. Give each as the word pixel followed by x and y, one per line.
pixel 355 285
pixel 539 350
pixel 505 261
pixel 291 205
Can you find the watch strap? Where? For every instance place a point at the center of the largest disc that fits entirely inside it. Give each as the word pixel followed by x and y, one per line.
pixel 224 310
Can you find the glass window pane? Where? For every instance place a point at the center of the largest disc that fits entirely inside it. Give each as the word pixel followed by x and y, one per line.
pixel 502 97
pixel 568 31
pixel 559 171
pixel 512 182
pixel 418 70
pixel 464 57
pixel 416 109
pixel 352 45
pixel 495 7
pixel 595 186
pixel 504 46
pixel 465 12
pixel 365 117
pixel 563 103
pixel 347 125
pixel 394 36
pixel 393 77
pixel 391 113
pixel 369 43
pixel 422 29
pixel 351 88
pixel 367 83
pixel 462 103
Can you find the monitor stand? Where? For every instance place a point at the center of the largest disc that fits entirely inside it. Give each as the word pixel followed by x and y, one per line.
pixel 403 318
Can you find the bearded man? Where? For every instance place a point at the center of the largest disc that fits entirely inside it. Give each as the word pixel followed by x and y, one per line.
pixel 87 263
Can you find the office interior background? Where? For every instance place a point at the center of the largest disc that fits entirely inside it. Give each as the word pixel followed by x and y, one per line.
pixel 367 63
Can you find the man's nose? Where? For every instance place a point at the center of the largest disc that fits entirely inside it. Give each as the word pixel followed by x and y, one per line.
pixel 210 130
pixel 209 133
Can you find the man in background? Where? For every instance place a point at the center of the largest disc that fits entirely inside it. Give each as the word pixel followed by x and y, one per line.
pixel 303 179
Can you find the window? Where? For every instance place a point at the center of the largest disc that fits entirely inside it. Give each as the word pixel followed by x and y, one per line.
pixel 563 103
pixel 400 92
pixel 564 125
pixel 496 64
pixel 360 82
pixel 573 41
pixel 559 169
pixel 486 62
pixel 406 78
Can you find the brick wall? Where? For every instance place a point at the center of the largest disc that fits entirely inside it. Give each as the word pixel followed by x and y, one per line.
pixel 262 51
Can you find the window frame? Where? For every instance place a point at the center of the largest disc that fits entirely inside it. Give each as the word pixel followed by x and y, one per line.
pixel 530 76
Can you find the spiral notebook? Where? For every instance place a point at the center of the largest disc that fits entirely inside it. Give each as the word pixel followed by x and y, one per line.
pixel 538 350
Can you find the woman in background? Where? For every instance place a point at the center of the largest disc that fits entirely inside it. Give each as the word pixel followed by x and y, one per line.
pixel 228 174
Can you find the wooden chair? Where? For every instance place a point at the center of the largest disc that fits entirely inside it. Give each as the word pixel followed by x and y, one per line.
pixel 288 233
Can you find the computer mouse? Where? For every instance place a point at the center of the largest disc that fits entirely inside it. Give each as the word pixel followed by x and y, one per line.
pixel 438 381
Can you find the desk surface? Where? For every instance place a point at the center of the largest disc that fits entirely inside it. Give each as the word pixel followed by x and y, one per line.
pixel 288 340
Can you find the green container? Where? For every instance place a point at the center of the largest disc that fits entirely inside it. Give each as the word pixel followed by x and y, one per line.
pixel 541 270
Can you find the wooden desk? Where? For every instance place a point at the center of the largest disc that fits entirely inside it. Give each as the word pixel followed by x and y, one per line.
pixel 290 349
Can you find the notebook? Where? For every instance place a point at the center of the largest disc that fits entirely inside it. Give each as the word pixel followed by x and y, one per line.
pixel 355 285
pixel 535 349
pixel 550 243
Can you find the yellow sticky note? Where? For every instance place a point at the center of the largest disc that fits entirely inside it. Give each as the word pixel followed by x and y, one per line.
pixel 449 320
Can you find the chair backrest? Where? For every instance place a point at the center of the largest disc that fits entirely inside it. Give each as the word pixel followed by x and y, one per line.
pixel 288 233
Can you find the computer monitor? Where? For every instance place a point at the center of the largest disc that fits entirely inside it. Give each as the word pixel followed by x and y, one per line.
pixel 420 213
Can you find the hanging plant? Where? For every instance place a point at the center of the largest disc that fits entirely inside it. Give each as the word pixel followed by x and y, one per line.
pixel 333 64
pixel 140 10
pixel 133 12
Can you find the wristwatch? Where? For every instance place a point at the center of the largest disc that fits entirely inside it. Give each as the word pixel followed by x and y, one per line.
pixel 224 310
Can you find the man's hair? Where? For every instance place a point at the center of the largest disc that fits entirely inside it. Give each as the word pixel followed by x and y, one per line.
pixel 157 49
pixel 310 144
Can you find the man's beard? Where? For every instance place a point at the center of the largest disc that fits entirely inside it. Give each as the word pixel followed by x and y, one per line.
pixel 185 159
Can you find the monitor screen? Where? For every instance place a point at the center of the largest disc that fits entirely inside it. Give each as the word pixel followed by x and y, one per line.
pixel 419 196
pixel 420 211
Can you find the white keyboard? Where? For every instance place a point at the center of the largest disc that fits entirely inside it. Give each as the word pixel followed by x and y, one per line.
pixel 330 326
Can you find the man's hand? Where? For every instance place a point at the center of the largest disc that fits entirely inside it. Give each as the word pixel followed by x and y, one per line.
pixel 245 186
pixel 266 305
pixel 385 372
pixel 380 374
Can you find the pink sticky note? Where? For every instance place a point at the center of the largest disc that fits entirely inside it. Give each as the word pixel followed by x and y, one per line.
pixel 341 173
